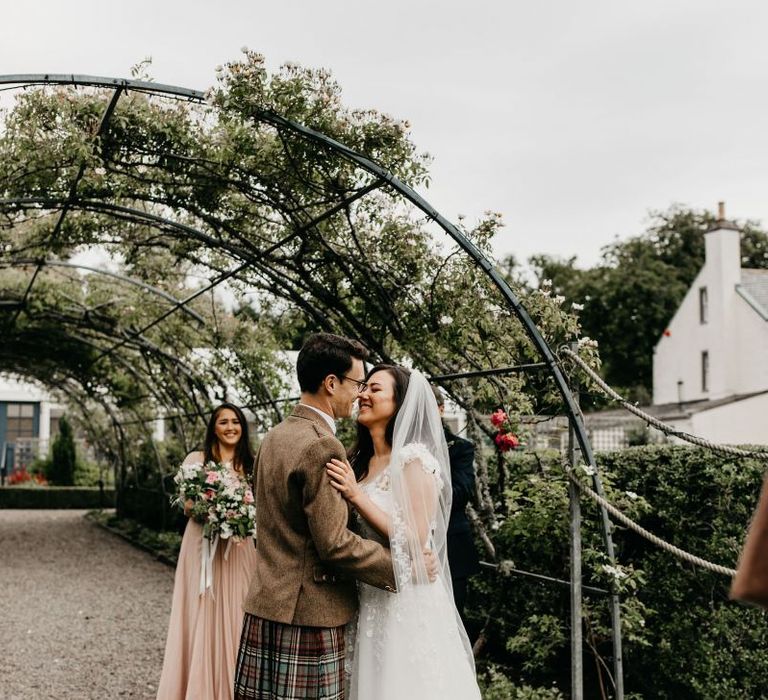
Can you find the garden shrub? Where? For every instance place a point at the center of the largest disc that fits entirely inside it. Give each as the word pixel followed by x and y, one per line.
pixel 61 468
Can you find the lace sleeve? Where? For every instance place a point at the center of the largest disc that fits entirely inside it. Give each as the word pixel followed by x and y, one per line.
pixel 417 454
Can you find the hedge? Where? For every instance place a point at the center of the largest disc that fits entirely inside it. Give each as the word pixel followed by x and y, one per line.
pixel 683 637
pixel 56 497
pixel 150 507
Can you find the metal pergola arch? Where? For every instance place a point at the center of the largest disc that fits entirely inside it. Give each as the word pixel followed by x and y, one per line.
pixel 114 275
pixel 71 333
pixel 382 178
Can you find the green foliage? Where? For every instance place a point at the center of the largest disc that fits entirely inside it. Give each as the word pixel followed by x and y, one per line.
pixel 90 474
pixel 61 469
pixel 496 686
pixel 682 636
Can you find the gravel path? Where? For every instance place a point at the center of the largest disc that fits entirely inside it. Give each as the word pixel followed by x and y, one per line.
pixel 83 614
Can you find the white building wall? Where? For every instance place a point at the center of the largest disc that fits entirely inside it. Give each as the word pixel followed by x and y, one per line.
pixel 673 355
pixel 740 423
pixel 45 424
pixel 15 390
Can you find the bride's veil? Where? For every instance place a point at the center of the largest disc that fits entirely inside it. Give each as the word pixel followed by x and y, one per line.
pixel 420 474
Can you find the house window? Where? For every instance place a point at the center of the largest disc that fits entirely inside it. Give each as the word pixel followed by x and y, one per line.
pixel 705 371
pixel 21 421
pixel 703 305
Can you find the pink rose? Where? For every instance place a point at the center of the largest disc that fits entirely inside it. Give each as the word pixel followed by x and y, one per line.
pixel 208 494
pixel 498 418
pixel 212 478
pixel 248 497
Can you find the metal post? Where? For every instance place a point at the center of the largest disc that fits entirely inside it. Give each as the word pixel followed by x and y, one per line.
pixel 577 657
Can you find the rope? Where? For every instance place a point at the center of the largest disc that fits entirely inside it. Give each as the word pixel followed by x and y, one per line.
pixel 655 422
pixel 632 525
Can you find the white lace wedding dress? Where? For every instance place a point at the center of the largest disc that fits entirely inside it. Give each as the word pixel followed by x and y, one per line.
pixel 407 645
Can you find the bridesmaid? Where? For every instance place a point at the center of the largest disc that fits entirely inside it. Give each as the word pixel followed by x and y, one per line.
pixel 204 631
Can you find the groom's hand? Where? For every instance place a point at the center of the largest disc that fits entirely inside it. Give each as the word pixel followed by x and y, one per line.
pixel 431 564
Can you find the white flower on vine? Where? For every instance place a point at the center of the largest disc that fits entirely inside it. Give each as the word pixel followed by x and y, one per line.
pixel 588 469
pixel 506 567
pixel 614 572
pixel 632 495
pixel 577 307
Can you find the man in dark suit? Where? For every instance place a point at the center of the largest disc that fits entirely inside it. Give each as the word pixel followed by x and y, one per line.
pixel 462 554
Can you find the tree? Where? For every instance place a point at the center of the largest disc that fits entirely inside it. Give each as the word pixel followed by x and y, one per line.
pixel 61 470
pixel 632 294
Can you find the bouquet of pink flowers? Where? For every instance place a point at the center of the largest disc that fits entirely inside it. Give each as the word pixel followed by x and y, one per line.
pixel 221 500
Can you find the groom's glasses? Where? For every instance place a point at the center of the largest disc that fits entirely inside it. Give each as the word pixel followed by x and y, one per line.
pixel 361 386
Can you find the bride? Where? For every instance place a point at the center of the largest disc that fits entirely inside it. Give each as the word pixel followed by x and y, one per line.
pixel 410 645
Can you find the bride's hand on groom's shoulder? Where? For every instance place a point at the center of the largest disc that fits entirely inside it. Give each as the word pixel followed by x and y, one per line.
pixel 343 479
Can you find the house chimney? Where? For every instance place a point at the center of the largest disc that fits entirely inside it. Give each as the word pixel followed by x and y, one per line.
pixel 720 276
pixel 722 248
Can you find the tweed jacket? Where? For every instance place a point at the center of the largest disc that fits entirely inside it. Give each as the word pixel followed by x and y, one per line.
pixel 307 558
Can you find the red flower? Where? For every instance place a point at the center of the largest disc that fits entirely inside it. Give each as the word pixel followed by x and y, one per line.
pixel 498 417
pixel 506 441
pixel 22 476
pixel 667 332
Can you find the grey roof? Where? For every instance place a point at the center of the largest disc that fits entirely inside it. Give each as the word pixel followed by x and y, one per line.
pixel 754 289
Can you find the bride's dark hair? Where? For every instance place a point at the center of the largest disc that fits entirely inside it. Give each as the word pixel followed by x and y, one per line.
pixel 361 452
pixel 243 450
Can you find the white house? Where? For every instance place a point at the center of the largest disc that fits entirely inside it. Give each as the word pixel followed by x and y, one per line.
pixel 28 419
pixel 710 367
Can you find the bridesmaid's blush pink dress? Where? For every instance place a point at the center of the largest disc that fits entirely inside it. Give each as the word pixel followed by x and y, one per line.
pixel 204 630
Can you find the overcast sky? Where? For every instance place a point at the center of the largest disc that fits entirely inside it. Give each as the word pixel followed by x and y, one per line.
pixel 573 119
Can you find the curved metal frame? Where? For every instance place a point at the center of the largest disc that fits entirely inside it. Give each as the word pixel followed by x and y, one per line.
pixel 386 178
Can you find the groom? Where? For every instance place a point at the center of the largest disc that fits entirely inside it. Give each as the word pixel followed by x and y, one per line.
pixel 303 591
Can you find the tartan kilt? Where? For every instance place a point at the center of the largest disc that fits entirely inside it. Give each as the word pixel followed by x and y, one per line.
pixel 289 662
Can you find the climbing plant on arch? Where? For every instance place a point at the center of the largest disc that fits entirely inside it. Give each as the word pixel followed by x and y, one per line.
pixel 300 212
